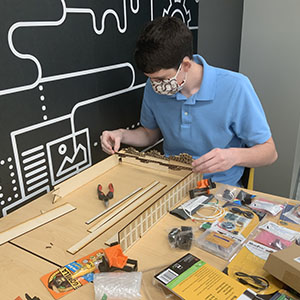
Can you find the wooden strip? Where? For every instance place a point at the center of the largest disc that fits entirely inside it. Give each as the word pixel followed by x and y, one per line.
pixel 111 207
pixel 141 193
pixel 149 216
pixel 89 238
pixel 35 222
pixel 172 166
pixel 84 177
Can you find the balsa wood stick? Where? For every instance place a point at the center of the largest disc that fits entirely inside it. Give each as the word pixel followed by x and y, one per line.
pixel 89 238
pixel 137 196
pixel 111 207
pixel 68 186
pixel 35 222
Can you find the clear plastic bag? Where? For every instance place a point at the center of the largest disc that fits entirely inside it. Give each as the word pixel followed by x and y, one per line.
pixel 181 237
pixel 294 214
pixel 220 243
pixel 226 193
pixel 117 285
pixel 267 206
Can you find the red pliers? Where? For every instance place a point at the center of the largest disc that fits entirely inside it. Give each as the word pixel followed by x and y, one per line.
pixel 106 197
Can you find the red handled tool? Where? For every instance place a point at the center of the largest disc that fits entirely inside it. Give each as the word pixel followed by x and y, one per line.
pixel 109 195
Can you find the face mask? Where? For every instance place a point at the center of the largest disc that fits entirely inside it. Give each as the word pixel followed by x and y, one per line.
pixel 168 86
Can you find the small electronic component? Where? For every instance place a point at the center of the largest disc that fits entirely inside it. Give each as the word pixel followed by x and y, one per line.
pixel 246 198
pixel 231 217
pixel 228 195
pixel 228 225
pixel 181 238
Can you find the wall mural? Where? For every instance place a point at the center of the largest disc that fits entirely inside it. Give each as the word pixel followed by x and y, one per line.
pixel 66 74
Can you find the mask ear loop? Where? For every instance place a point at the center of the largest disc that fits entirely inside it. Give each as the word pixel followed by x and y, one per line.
pixel 184 80
pixel 175 76
pixel 179 69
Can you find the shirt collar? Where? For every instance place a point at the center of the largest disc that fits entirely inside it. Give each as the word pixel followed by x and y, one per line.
pixel 207 89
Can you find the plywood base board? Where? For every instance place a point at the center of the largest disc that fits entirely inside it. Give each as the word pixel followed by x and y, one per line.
pixel 35 222
pixel 89 238
pixel 84 177
pixel 112 207
pixel 122 207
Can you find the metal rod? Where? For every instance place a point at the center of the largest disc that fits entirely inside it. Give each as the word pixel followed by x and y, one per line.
pixel 114 205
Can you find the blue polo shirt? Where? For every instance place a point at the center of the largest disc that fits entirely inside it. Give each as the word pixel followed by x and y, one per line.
pixel 224 113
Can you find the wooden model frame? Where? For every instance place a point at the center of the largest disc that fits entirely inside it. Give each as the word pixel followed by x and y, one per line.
pixel 153 208
pixel 150 216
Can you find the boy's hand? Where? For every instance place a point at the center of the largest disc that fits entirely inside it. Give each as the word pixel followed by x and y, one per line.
pixel 111 141
pixel 216 160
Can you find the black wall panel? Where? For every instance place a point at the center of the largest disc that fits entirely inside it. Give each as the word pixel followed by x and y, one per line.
pixel 220 29
pixel 66 74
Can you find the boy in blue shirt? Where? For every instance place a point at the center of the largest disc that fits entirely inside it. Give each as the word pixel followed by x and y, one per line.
pixel 210 113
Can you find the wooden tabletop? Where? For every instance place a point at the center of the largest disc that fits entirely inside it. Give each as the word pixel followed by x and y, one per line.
pixel 20 273
pixel 41 250
pixel 67 230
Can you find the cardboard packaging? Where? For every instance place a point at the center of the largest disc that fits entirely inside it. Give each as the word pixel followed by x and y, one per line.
pixel 285 266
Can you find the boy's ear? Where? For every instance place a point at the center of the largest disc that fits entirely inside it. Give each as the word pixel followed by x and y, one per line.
pixel 186 63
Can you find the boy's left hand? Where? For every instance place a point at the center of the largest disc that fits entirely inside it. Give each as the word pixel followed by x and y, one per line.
pixel 216 160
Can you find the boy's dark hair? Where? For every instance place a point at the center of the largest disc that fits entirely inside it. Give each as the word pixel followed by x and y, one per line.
pixel 163 44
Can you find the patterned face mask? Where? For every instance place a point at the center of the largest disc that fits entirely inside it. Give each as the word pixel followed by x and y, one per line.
pixel 168 86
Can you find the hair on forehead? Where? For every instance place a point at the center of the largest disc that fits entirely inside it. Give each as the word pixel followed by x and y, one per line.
pixel 162 44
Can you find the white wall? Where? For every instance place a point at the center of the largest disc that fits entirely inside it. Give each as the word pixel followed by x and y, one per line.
pixel 270 57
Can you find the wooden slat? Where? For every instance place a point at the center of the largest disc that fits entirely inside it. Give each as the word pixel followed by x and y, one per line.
pixel 84 177
pixel 89 238
pixel 111 207
pixel 119 209
pixel 35 222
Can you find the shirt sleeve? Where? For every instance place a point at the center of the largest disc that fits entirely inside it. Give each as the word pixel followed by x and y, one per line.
pixel 249 120
pixel 147 119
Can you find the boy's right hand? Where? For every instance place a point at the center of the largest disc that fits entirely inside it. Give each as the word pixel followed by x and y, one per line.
pixel 111 141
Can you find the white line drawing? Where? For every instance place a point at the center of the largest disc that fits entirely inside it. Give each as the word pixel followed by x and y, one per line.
pixel 62 170
pixel 33 157
pixel 33 187
pixel 86 162
pixel 27 175
pixel 59 22
pixel 171 11
pixel 34 179
pixel 38 148
pixel 35 164
pixel 28 56
pixel 38 166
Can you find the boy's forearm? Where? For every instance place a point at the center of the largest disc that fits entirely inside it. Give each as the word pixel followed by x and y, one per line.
pixel 256 156
pixel 140 137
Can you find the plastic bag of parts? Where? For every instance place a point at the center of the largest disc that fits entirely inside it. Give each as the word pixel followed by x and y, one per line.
pixel 181 237
pixel 226 193
pixel 271 240
pixel 267 206
pixel 294 214
pixel 117 285
pixel 220 243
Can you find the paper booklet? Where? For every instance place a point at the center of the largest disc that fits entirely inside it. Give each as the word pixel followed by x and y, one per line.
pixel 192 279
